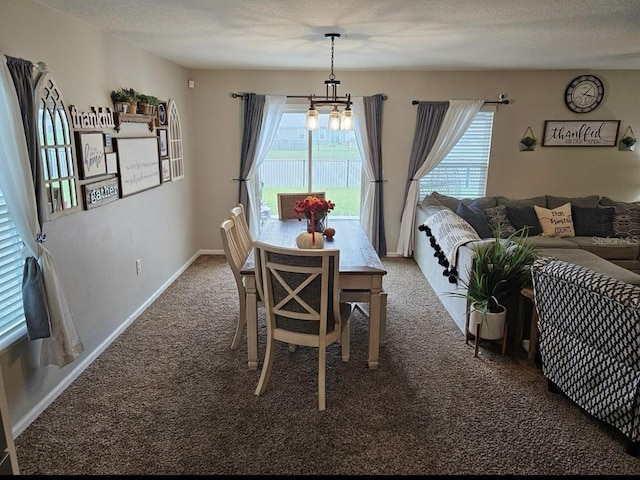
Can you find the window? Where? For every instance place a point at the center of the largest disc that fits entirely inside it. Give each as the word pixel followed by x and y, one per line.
pixel 11 265
pixel 175 143
pixel 60 180
pixel 463 172
pixel 320 160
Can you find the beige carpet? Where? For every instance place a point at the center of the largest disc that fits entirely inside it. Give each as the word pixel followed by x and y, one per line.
pixel 170 397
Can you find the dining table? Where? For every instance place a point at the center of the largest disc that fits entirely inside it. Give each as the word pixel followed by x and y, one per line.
pixel 360 276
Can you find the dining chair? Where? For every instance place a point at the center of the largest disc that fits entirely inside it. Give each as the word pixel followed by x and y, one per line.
pixel 287 203
pixel 236 258
pixel 302 303
pixel 242 227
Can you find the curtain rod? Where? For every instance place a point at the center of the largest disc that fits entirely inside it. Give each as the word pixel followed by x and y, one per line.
pixel 502 100
pixel 241 96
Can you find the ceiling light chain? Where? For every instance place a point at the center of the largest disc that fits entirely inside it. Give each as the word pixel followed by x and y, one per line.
pixel 337 120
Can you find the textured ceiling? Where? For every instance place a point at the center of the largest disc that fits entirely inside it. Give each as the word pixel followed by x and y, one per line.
pixel 376 34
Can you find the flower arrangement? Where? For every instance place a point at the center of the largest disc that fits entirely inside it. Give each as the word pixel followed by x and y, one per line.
pixel 318 207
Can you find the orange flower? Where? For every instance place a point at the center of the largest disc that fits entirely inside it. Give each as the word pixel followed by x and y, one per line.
pixel 319 206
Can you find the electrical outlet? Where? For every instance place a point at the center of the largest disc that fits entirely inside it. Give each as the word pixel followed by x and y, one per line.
pixel 139 266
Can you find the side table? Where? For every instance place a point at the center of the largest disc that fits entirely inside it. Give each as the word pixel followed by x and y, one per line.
pixel 533 334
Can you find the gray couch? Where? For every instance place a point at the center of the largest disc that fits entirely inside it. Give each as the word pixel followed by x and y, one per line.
pixel 606 238
pixel 589 340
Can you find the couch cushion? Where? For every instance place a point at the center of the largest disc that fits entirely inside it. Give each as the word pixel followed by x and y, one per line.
pixel 556 222
pixel 498 219
pixel 593 222
pixel 609 248
pixel 452 202
pixel 476 218
pixel 539 241
pixel 524 217
pixel 523 202
pixel 626 217
pixel 585 202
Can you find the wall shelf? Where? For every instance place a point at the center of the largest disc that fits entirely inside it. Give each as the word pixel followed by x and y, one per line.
pixel 120 118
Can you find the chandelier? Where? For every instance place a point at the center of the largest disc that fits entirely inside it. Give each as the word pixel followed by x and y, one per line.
pixel 337 120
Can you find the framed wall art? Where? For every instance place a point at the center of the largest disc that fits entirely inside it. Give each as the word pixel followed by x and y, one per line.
pixel 163 139
pixel 580 133
pixel 166 170
pixel 90 152
pixel 112 162
pixel 138 164
pixel 162 119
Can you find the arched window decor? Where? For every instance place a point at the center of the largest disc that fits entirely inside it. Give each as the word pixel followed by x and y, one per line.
pixel 175 143
pixel 55 144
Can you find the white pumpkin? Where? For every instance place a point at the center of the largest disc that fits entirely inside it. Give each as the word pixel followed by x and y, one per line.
pixel 304 240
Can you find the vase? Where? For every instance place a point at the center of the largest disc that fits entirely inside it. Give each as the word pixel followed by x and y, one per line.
pixel 319 224
pixel 308 240
pixel 491 328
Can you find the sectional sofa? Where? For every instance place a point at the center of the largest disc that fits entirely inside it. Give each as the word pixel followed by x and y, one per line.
pixel 598 233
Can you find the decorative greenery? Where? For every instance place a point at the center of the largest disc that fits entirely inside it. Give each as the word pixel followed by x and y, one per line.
pixel 126 95
pixel 629 141
pixel 528 142
pixel 149 99
pixel 319 207
pixel 499 270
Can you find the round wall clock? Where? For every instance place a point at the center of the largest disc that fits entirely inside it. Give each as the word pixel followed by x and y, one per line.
pixel 584 93
pixel 162 114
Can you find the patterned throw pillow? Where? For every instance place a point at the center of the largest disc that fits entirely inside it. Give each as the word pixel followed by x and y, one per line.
pixel 498 218
pixel 626 217
pixel 593 222
pixel 556 222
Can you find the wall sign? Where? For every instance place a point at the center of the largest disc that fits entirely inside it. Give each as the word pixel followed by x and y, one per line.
pixel 100 193
pixel 99 118
pixel 139 164
pixel 90 152
pixel 570 133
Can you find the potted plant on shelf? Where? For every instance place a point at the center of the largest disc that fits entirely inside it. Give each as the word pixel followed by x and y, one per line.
pixel 499 271
pixel 123 98
pixel 147 104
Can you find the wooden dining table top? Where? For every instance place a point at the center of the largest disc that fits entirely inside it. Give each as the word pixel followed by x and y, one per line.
pixel 357 255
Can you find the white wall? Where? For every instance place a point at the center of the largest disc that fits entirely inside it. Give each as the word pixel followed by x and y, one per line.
pixel 95 250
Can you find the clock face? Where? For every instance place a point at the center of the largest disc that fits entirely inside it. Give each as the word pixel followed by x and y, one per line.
pixel 584 93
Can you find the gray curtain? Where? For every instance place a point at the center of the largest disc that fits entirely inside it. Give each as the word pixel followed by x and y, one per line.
pixel 373 116
pixel 36 310
pixel 429 120
pixel 252 126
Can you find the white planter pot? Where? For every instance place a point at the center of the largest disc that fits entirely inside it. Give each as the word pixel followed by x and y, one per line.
pixel 493 326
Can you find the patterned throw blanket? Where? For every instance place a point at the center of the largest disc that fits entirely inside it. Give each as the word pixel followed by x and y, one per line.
pixel 447 231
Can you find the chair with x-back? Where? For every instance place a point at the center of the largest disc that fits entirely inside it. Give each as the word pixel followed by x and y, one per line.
pixel 302 303
pixel 242 227
pixel 236 257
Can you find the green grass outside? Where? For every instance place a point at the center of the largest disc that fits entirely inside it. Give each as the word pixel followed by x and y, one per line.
pixel 347 200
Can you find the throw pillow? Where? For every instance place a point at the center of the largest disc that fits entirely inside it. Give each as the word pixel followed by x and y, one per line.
pixel 586 202
pixel 522 202
pixel 556 222
pixel 626 217
pixel 593 222
pixel 524 217
pixel 476 218
pixel 498 218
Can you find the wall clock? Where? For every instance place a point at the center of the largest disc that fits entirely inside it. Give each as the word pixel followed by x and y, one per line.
pixel 584 94
pixel 162 114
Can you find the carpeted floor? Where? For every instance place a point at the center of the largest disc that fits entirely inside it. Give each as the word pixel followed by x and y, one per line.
pixel 169 396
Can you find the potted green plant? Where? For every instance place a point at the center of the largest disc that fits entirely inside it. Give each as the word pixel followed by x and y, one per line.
pixel 527 143
pixel 499 270
pixel 627 143
pixel 123 98
pixel 147 104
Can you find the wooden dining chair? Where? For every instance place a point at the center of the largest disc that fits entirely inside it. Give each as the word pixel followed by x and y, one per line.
pixel 242 227
pixel 287 203
pixel 236 257
pixel 302 302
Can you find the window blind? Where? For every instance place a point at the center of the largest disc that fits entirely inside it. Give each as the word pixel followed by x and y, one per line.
pixel 12 320
pixel 463 172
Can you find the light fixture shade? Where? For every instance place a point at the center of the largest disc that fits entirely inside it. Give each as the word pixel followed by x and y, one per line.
pixel 346 120
pixel 312 119
pixel 334 119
